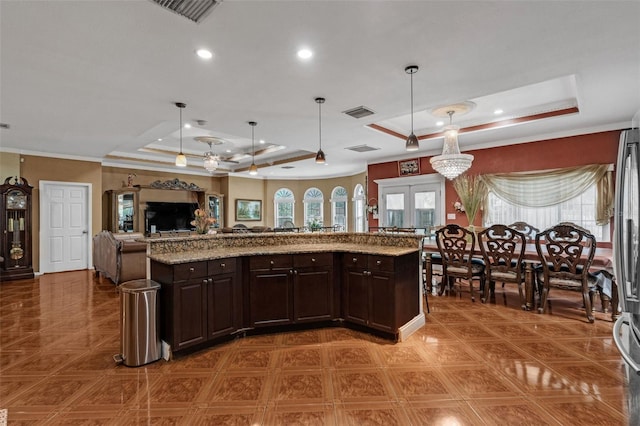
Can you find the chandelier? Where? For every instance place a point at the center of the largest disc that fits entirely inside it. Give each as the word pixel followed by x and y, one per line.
pixel 451 163
pixel 210 159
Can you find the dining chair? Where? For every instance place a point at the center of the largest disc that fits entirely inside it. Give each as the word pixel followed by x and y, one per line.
pixel 503 249
pixel 456 245
pixel 566 252
pixel 529 231
pixel 429 260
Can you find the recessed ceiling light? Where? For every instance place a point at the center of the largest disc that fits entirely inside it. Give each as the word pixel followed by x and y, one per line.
pixel 204 53
pixel 439 123
pixel 262 141
pixel 498 111
pixel 159 139
pixel 187 126
pixel 305 54
pixel 228 151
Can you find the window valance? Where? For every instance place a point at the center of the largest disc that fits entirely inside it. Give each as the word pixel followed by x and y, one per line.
pixel 543 188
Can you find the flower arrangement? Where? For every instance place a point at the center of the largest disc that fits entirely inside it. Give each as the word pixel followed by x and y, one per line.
pixel 458 206
pixel 472 192
pixel 202 222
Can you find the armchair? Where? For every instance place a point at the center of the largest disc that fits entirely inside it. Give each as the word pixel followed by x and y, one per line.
pixel 119 256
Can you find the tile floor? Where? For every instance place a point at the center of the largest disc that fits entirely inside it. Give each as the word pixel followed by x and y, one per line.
pixel 472 364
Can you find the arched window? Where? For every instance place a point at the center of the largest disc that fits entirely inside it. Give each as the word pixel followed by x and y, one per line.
pixel 313 208
pixel 358 208
pixel 339 197
pixel 284 202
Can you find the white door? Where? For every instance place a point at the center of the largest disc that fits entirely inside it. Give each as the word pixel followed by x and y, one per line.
pixel 65 218
pixel 411 202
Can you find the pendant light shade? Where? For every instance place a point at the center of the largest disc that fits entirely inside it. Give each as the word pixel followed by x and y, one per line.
pixel 181 160
pixel 253 169
pixel 412 143
pixel 320 158
pixel 451 163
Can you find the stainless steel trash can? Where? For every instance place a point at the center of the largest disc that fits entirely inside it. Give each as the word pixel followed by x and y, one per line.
pixel 139 323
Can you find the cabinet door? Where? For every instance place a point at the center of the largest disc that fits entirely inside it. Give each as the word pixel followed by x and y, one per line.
pixel 312 287
pixel 222 305
pixel 190 313
pixel 312 294
pixel 382 309
pixel 270 298
pixel 356 295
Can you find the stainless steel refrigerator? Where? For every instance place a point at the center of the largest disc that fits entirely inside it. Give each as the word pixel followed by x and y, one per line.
pixel 626 331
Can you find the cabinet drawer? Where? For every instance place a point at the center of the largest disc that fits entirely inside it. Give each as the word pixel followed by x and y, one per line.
pixel 278 261
pixel 186 271
pixel 355 260
pixel 381 263
pixel 308 260
pixel 222 266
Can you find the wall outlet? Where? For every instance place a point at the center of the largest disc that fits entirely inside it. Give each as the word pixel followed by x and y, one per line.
pixel 451 216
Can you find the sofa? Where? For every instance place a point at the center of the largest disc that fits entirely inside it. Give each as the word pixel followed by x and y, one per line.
pixel 119 257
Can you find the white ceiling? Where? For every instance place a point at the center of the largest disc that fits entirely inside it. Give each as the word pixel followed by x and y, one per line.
pixel 99 79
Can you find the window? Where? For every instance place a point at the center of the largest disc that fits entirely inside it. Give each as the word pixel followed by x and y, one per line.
pixel 394 207
pixel 339 208
pixel 358 208
pixel 283 206
pixel 580 210
pixel 313 211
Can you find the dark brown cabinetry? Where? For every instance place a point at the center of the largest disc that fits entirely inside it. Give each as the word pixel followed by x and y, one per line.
pixel 286 289
pixel 199 301
pixel 206 300
pixel 15 223
pixel 380 291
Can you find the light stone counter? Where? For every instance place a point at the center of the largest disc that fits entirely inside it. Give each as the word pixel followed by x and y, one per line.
pixel 203 247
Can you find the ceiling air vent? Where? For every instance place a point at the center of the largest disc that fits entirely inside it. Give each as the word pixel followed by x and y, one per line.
pixel 362 148
pixel 194 10
pixel 359 112
pixel 287 167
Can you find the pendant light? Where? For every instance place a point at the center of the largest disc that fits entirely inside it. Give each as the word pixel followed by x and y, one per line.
pixel 320 158
pixel 181 160
pixel 451 163
pixel 412 141
pixel 210 160
pixel 253 169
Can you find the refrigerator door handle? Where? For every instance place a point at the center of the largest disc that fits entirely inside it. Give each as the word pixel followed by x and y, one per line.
pixel 624 319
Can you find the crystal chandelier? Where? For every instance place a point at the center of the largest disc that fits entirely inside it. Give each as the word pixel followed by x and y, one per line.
pixel 210 160
pixel 451 163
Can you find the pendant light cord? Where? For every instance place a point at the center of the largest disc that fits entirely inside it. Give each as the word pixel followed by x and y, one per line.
pixel 253 149
pixel 320 123
pixel 412 102
pixel 180 130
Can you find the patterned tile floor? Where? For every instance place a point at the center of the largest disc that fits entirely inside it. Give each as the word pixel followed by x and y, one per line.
pixel 472 364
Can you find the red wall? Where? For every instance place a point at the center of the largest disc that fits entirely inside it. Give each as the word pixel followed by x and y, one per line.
pixel 595 148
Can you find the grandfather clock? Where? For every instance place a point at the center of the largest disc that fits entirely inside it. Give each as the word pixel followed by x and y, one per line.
pixel 15 224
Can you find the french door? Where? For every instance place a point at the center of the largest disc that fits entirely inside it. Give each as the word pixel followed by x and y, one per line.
pixel 411 202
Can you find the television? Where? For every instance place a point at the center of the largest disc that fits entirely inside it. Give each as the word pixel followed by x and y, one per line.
pixel 168 216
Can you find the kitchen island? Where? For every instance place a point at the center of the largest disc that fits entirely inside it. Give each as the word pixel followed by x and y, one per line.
pixel 219 286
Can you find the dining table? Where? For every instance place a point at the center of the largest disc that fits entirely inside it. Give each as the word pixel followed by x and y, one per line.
pixel 602 263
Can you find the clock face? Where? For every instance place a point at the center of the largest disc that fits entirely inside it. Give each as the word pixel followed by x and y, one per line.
pixel 16 200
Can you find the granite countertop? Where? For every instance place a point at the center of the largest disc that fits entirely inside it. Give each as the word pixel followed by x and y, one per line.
pixel 224 252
